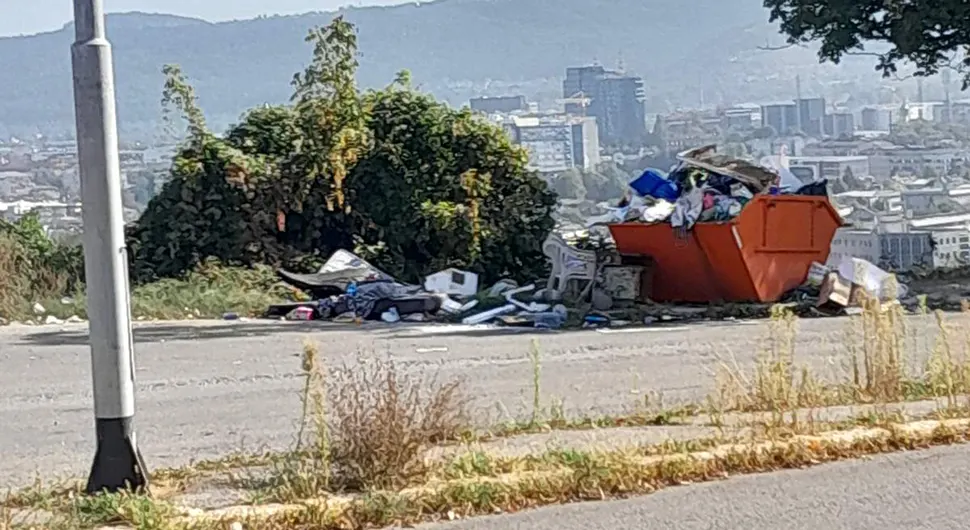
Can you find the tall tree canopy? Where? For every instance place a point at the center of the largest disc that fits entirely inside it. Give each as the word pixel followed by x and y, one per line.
pixel 932 34
pixel 393 174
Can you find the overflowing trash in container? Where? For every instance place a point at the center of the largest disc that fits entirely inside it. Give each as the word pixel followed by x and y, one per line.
pixel 704 187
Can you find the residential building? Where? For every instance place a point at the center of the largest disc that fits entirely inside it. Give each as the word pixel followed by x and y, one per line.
pixel 893 160
pixel 557 143
pixel 839 124
pixel 811 113
pixel 684 131
pixel 740 118
pixel 877 119
pixel 619 110
pixel 854 243
pixel 580 82
pixel 953 112
pixel 952 247
pixel 499 104
pixel 834 167
pixel 924 201
pixel 782 117
pixel 873 200
pixel 939 222
pixel 902 251
pixel 616 100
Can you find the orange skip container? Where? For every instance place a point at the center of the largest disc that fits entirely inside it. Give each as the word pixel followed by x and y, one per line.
pixel 758 256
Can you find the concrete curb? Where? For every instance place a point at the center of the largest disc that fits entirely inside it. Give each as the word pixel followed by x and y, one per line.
pixel 924 431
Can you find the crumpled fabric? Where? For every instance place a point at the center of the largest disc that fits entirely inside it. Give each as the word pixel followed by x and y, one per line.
pixel 368 294
pixel 687 209
pixel 726 208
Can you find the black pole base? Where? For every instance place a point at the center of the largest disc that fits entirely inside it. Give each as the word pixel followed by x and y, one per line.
pixel 117 463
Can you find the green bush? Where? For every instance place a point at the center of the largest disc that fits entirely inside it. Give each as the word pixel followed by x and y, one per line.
pixel 392 174
pixel 33 268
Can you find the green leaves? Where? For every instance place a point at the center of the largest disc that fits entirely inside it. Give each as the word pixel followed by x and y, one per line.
pixel 407 181
pixel 932 34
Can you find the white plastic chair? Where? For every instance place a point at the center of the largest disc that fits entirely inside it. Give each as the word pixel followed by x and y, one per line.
pixel 568 263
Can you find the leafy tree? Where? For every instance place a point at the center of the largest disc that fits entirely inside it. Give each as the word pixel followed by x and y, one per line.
pixel 406 181
pixel 928 33
pixel 606 182
pixel 764 133
pixel 441 188
pixel 569 184
pixel 203 209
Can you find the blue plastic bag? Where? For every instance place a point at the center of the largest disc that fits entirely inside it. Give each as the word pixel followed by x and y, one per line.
pixel 653 183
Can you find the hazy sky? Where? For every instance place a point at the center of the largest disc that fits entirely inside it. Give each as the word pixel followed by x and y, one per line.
pixel 33 16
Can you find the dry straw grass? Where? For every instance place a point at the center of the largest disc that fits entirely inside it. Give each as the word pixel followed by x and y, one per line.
pixel 882 364
pixel 369 426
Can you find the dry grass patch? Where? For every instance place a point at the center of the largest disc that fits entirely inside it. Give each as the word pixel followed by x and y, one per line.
pixel 879 367
pixel 369 425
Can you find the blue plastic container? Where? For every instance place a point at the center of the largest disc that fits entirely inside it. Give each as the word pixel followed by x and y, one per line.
pixel 653 183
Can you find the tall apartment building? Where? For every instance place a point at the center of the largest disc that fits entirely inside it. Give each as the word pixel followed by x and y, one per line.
pixel 782 117
pixel 557 143
pixel 839 124
pixel 877 119
pixel 807 115
pixel 812 114
pixel 580 82
pixel 615 100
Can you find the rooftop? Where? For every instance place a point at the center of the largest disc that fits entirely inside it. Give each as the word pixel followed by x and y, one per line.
pixel 835 159
pixel 940 220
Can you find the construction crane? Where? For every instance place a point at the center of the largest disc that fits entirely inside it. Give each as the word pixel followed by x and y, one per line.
pixel 577 99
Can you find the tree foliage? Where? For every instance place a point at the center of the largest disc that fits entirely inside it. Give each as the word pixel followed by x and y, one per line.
pixel 932 34
pixel 393 174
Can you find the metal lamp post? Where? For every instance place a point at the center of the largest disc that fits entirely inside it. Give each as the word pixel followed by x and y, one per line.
pixel 117 462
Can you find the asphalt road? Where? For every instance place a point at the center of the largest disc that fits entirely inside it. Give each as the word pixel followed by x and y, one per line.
pixel 206 389
pixel 926 490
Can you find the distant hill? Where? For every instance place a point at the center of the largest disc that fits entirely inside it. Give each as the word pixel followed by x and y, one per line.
pixel 678 47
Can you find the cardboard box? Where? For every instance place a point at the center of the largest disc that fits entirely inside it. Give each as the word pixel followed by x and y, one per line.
pixel 835 290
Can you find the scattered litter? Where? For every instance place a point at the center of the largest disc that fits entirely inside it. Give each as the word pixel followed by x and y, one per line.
pixel 485 316
pixel 639 330
pixel 595 320
pixel 300 313
pixel 452 282
pixel 874 280
pixel 501 287
pixel 230 316
pixel 39 309
pixel 816 274
pixel 436 349
pixel 391 315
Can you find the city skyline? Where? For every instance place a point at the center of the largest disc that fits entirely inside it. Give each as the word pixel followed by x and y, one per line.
pixel 41 16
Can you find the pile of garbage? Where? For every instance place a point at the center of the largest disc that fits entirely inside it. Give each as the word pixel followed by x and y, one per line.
pixel 349 289
pixel 854 280
pixel 703 186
